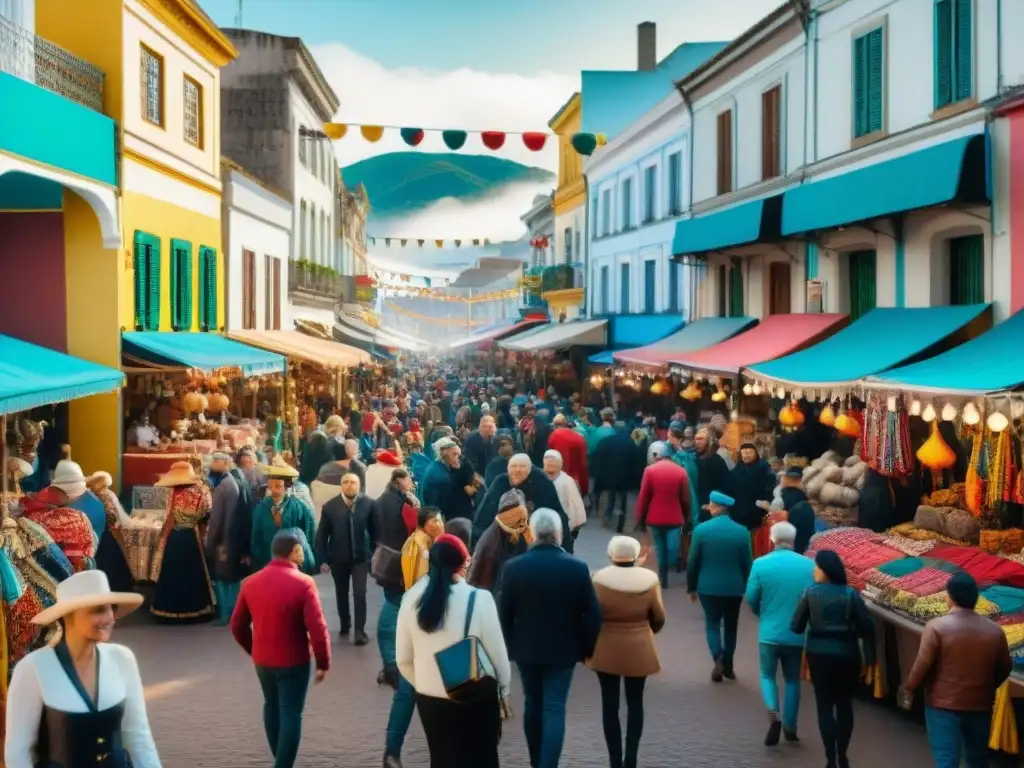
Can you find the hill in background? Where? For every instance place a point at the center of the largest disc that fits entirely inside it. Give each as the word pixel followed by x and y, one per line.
pixel 405 182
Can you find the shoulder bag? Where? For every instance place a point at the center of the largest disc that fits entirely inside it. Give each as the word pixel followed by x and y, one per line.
pixel 386 566
pixel 464 664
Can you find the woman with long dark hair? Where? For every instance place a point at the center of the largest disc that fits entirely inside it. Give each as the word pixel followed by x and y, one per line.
pixel 438 612
pixel 837 624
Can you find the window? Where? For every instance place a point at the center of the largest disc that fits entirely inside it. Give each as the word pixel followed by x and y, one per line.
pixel 627 204
pixel 567 244
pixel 181 285
pixel 862 278
pixel 736 288
pixel 323 238
pixel 650 286
pixel 771 133
pixel 606 297
pixel 207 288
pixel 268 291
pixel 312 234
pixel 593 213
pixel 868 83
pixel 606 212
pixel 146 262
pixel 277 295
pixel 192 104
pixel 579 248
pixel 302 230
pixel 152 81
pixel 724 147
pixel 675 183
pixel 723 291
pixel 967 270
pixel 954 43
pixel 673 285
pixel 650 192
pixel 780 288
pixel 624 289
pixel 248 290
pixel 302 147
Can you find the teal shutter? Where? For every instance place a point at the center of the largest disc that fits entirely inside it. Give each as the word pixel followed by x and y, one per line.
pixel 181 285
pixel 208 288
pixel 967 270
pixel 140 295
pixel 153 286
pixel 943 53
pixel 673 286
pixel 650 290
pixel 146 288
pixel 736 289
pixel 963 50
pixel 624 290
pixel 875 80
pixel 862 279
pixel 860 89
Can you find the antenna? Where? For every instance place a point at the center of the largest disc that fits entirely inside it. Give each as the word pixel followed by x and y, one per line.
pixel 238 16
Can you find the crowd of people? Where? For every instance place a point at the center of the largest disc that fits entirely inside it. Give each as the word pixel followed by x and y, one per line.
pixel 463 504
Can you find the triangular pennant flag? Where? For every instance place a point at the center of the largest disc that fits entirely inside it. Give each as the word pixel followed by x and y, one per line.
pixel 387 241
pixel 493 139
pixel 439 243
pixel 421 242
pixel 458 243
pixel 373 241
pixel 335 131
pixel 372 133
pixel 584 143
pixel 476 241
pixel 454 140
pixel 486 241
pixel 534 140
pixel 404 241
pixel 411 136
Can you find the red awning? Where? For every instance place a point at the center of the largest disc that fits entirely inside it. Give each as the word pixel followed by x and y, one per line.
pixel 484 339
pixel 775 336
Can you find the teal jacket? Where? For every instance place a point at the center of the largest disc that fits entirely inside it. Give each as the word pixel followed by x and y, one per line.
pixel 294 514
pixel 720 558
pixel 777 582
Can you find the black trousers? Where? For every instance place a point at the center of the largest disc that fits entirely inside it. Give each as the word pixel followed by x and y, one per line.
pixel 464 733
pixel 610 689
pixel 343 574
pixel 834 679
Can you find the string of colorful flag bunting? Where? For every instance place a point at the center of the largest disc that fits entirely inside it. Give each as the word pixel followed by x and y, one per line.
pixel 455 139
pixel 421 241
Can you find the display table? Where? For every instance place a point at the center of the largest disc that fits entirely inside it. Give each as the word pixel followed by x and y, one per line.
pixel 146 468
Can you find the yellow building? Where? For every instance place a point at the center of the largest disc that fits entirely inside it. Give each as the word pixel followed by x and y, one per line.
pixel 570 211
pixel 162 61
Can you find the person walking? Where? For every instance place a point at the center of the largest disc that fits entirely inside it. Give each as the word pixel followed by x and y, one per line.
pixel 224 561
pixel 277 619
pixel 837 623
pixel 799 511
pixel 664 505
pixel 616 464
pixel 776 584
pixel 480 446
pixel 964 657
pixel 342 548
pixel 568 490
pixel 713 474
pixel 572 446
pixel 625 655
pixel 437 613
pixel 551 620
pixel 717 570
pixel 506 446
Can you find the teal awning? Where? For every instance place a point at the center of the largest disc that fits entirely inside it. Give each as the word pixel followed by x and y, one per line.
pixel 629 331
pixel 602 358
pixel 757 220
pixel 987 363
pixel 696 335
pixel 878 341
pixel 31 376
pixel 954 171
pixel 203 351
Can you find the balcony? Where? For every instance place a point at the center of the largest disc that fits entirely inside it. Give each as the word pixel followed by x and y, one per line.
pixel 315 285
pixel 562 288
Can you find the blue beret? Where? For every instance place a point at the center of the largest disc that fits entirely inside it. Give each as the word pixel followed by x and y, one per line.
pixel 719 498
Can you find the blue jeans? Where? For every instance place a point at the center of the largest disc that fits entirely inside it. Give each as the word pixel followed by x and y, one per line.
pixel 952 733
pixel 721 623
pixel 284 698
pixel 545 690
pixel 403 701
pixel 666 541
pixel 791 657
pixel 387 627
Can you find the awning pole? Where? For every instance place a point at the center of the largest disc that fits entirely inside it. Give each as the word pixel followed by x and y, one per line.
pixel 3 456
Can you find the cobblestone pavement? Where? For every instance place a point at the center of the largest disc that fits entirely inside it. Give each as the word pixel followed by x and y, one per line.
pixel 205 703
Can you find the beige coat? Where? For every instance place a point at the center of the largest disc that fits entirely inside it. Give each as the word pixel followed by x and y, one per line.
pixel 632 612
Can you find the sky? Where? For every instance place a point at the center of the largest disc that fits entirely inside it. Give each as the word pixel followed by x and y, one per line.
pixel 474 64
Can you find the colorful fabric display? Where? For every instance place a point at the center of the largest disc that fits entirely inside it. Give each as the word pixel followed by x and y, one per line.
pixel 877 578
pixel 931 607
pixel 1010 600
pixel 902 567
pixel 924 581
pixel 985 568
pixel 908 546
pixel 986 608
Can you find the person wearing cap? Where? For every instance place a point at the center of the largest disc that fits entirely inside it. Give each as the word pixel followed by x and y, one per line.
pixel 664 505
pixel 776 584
pixel 535 486
pixel 222 555
pixel 717 570
pixel 110 554
pixel 507 537
pixel 276 621
pixel 572 447
pixel 439 480
pixel 378 474
pixel 80 701
pixel 279 511
pixel 632 612
pixel 568 491
pixel 799 511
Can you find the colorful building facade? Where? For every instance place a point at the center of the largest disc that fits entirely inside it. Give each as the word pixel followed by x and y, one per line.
pixel 569 204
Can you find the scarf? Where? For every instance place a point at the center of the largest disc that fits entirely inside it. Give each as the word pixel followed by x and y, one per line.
pixel 516 523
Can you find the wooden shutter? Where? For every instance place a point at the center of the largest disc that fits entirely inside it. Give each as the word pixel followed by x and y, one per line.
pixel 147 282
pixel 181 285
pixel 771 104
pixel 875 96
pixel 268 291
pixel 650 287
pixel 780 288
pixel 736 289
pixel 248 290
pixel 139 263
pixel 963 49
pixel 862 279
pixel 860 86
pixel 725 152
pixel 277 295
pixel 673 286
pixel 943 53
pixel 967 270
pixel 208 288
pixel 624 290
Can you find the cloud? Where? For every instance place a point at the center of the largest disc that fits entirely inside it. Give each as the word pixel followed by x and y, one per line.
pixel 463 98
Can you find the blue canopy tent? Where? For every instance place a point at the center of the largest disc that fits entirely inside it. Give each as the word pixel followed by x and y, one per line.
pixel 878 341
pixel 205 352
pixel 697 335
pixel 629 331
pixel 33 376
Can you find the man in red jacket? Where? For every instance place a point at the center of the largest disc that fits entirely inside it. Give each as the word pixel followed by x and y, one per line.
pixel 573 447
pixel 664 504
pixel 276 620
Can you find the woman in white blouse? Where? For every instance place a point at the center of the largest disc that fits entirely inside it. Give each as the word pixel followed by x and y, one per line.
pixel 463 733
pixel 80 703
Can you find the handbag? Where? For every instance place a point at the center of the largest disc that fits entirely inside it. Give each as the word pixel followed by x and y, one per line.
pixel 386 566
pixel 464 664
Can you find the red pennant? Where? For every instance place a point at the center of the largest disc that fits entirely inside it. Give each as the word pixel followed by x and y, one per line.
pixel 534 140
pixel 493 139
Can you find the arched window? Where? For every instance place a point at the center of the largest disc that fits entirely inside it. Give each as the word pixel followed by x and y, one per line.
pixel 302 230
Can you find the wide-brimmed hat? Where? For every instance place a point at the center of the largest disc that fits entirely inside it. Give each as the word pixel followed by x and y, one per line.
pixel 180 473
pixel 86 589
pixel 100 477
pixel 279 469
pixel 69 477
pixel 19 467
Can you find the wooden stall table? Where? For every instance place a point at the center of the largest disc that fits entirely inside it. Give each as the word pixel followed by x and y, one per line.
pixel 145 468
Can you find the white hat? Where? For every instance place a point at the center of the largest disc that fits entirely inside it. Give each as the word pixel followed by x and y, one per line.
pixel 69 477
pixel 86 589
pixel 444 444
pixel 18 466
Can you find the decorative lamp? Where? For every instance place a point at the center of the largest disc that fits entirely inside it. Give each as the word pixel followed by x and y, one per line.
pixel 890 402
pixel 935 454
pixel 915 408
pixel 997 421
pixel 948 412
pixel 718 397
pixel 798 394
pixel 971 414
pixel 747 389
pixel 756 389
pixel 827 416
pixel 790 416
pixel 929 413
pixel 692 392
pixel 781 393
pixel 847 426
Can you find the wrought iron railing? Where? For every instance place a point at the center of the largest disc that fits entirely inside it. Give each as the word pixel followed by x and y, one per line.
pixel 562 277
pixel 49 66
pixel 315 278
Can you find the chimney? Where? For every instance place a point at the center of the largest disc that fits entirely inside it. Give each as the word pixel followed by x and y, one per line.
pixel 646 46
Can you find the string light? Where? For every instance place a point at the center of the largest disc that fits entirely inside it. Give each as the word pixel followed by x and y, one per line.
pixel 997 421
pixel 748 390
pixel 948 412
pixel 915 408
pixel 971 414
pixel 890 402
pixel 929 413
pixel 756 389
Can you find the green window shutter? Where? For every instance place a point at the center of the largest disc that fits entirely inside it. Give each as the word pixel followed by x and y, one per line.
pixel 208 288
pixel 860 88
pixel 140 263
pixel 967 270
pixel 943 53
pixel 736 289
pixel 181 285
pixel 875 96
pixel 862 280
pixel 152 284
pixel 963 50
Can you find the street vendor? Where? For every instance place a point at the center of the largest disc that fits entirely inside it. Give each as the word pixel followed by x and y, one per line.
pixel 279 511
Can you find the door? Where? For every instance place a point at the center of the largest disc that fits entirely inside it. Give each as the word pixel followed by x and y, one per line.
pixel 780 288
pixel 863 277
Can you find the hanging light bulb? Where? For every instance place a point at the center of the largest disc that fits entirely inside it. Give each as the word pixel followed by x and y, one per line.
pixel 929 413
pixel 781 393
pixel 747 389
pixel 971 414
pixel 798 394
pixel 915 408
pixel 1016 409
pixel 997 421
pixel 756 389
pixel 890 402
pixel 948 412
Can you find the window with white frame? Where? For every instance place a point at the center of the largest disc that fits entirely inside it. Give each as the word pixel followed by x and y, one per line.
pixel 152 77
pixel 675 183
pixel 650 193
pixel 192 105
pixel 627 203
pixel 606 212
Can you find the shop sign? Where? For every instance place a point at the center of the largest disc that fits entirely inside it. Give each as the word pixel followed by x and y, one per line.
pixel 364 293
pixel 814 296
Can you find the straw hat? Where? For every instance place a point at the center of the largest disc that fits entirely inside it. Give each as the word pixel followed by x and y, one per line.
pixel 69 477
pixel 279 469
pixel 181 473
pixel 86 589
pixel 100 477
pixel 18 467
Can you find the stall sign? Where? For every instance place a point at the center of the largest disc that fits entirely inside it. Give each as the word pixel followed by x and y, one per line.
pixel 814 295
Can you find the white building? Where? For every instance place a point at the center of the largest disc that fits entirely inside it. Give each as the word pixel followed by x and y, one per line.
pixel 638 190
pixel 257 226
